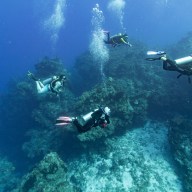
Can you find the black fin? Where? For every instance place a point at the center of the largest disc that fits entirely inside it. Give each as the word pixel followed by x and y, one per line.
pixel 179 76
pixel 189 79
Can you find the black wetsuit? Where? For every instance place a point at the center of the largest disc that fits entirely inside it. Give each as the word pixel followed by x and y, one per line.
pixel 98 118
pixel 116 40
pixel 171 65
pixel 53 85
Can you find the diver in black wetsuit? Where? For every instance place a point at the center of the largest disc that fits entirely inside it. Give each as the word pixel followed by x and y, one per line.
pixel 117 40
pixel 99 117
pixel 182 65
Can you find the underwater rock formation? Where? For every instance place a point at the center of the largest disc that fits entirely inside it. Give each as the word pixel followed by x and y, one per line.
pixel 127 64
pixel 131 85
pixel 123 62
pixel 128 104
pixel 8 179
pixel 180 138
pixel 180 132
pixel 134 90
pixel 48 176
pixel 26 113
pixel 48 67
pixel 88 70
pixel 182 48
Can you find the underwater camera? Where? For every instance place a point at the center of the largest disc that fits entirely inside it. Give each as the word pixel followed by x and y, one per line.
pixel 159 53
pixel 154 55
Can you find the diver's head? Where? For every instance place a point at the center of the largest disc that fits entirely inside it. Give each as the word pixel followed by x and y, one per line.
pixel 107 111
pixel 54 77
pixel 62 77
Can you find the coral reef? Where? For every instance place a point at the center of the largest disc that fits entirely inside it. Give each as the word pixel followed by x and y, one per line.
pixel 88 71
pixel 48 176
pixel 123 62
pixel 8 179
pixel 119 157
pixel 129 108
pixel 180 132
pixel 48 67
pixel 180 137
pixel 26 113
pixel 130 86
pixel 182 48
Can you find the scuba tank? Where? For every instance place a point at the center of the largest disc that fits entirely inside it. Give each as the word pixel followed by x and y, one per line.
pixel 87 116
pixel 184 60
pixel 83 119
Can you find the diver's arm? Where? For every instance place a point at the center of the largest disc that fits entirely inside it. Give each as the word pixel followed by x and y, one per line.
pixel 129 44
pixel 107 119
pixel 107 41
pixel 169 64
pixel 124 41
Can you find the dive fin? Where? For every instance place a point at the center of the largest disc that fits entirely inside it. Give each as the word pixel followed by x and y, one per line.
pixel 62 118
pixel 63 121
pixel 153 59
pixel 179 76
pixel 189 80
pixel 61 124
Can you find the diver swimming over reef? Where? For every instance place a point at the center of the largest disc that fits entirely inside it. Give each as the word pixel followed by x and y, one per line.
pixel 117 40
pixel 83 123
pixel 53 84
pixel 182 65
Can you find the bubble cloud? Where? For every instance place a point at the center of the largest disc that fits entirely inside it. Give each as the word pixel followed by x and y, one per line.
pixel 98 49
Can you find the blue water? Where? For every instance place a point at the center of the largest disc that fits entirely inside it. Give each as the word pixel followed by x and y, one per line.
pixel 24 41
pixel 31 30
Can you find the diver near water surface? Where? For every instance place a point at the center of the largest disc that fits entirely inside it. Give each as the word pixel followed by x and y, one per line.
pixel 182 65
pixel 117 40
pixel 98 117
pixel 53 84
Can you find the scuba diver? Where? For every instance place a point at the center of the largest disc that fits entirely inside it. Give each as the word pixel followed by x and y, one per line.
pixel 53 84
pixel 182 65
pixel 98 117
pixel 117 40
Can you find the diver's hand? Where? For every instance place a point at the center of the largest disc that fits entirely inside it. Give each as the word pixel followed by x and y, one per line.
pixel 31 76
pixel 129 44
pixel 163 58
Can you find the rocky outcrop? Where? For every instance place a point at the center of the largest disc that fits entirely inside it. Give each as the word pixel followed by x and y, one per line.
pixel 180 138
pixel 48 176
